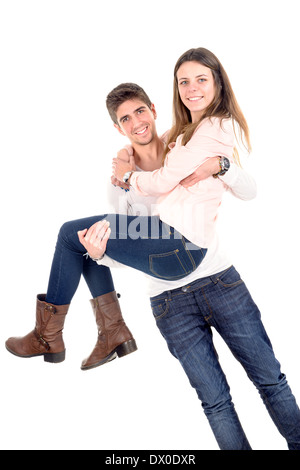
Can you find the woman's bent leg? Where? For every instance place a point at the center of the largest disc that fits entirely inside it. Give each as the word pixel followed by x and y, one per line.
pixel 144 243
pixel 69 263
pixel 151 246
pixel 113 338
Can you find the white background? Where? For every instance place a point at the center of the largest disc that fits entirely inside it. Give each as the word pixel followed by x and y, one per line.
pixel 59 59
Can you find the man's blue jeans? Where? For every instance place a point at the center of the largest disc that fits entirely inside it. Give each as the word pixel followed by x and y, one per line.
pixel 143 243
pixel 185 316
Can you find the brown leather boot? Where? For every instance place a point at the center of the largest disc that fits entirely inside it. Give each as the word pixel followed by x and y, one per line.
pixel 46 339
pixel 114 338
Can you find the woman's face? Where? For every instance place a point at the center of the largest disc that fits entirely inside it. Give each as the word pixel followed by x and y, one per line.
pixel 196 87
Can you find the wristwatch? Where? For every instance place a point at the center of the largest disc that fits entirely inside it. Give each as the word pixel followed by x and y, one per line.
pixel 127 176
pixel 224 166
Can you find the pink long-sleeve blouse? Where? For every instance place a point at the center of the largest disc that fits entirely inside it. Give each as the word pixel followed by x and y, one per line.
pixel 191 211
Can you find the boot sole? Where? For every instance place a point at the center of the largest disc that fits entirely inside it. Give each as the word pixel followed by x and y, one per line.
pixel 126 348
pixel 120 351
pixel 53 358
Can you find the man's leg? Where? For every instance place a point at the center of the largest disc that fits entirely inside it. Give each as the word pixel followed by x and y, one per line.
pixel 189 339
pixel 235 316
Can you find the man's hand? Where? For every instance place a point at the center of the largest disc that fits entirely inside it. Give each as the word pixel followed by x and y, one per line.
pixel 118 183
pixel 95 238
pixel 120 167
pixel 207 169
pixel 125 157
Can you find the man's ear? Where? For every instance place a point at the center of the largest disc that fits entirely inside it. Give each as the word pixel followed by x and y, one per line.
pixel 153 111
pixel 119 129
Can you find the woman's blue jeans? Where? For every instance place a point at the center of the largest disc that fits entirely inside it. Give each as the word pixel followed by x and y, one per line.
pixel 185 317
pixel 143 243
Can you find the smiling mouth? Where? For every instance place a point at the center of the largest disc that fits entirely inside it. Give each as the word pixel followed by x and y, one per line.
pixel 142 131
pixel 195 98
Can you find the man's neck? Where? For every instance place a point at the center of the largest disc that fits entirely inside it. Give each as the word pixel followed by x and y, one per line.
pixel 149 157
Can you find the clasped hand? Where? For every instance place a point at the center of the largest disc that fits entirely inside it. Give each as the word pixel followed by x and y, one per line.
pixel 121 165
pixel 95 238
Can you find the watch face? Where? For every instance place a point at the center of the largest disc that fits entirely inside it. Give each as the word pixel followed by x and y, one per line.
pixel 125 177
pixel 225 163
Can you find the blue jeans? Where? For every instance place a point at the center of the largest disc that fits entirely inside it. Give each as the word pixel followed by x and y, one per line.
pixel 185 316
pixel 143 243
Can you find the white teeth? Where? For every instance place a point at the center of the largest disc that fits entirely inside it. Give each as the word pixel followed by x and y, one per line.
pixel 142 131
pixel 197 98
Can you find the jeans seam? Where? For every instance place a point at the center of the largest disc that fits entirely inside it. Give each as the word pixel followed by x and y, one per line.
pixel 200 287
pixel 240 281
pixel 187 272
pixel 189 254
pixel 163 314
pixel 218 280
pixel 207 318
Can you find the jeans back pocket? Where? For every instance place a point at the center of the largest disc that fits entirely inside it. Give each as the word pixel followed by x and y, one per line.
pixel 170 266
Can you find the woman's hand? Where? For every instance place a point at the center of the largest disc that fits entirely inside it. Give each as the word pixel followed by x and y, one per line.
pixel 207 169
pixel 95 238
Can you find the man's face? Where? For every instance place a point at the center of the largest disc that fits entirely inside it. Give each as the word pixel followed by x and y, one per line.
pixel 136 121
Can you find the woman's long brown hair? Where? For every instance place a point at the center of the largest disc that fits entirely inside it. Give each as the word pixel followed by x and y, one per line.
pixel 223 106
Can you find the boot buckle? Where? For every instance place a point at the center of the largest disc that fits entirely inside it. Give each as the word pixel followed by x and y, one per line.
pixel 43 342
pixel 50 308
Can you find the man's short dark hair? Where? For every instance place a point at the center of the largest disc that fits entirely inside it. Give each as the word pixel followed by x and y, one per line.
pixel 124 92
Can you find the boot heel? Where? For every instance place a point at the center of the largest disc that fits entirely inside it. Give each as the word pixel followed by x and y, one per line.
pixel 126 348
pixel 55 358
